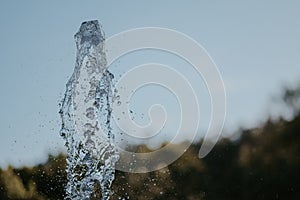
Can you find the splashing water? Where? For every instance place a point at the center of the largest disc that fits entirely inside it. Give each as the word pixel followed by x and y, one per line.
pixel 86 112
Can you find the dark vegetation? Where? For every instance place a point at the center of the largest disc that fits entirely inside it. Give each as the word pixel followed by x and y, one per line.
pixel 264 163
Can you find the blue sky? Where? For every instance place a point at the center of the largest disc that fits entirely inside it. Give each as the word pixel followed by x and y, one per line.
pixel 255 44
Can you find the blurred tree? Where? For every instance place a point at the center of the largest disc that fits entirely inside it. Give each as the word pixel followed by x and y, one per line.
pixel 291 97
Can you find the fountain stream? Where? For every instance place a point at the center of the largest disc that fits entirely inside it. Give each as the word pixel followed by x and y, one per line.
pixel 86 113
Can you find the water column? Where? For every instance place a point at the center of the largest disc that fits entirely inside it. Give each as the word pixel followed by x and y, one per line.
pixel 86 112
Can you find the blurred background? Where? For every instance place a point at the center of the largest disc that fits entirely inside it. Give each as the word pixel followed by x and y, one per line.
pixel 256 47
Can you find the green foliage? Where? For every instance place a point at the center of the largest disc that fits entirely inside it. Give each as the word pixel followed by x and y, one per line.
pixel 40 182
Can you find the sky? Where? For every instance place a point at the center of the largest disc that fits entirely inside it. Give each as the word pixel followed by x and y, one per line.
pixel 255 45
